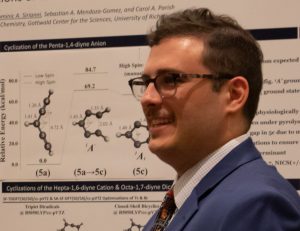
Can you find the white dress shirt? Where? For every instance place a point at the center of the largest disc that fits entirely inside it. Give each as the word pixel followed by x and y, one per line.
pixel 184 185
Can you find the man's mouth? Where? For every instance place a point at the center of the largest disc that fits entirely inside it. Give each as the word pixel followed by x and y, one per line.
pixel 159 122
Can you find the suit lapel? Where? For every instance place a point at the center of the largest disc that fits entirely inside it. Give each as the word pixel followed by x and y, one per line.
pixel 184 214
pixel 241 155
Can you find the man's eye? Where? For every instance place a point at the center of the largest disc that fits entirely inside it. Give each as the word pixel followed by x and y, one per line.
pixel 168 79
pixel 181 78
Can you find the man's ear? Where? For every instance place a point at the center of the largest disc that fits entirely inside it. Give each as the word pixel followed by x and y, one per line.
pixel 238 92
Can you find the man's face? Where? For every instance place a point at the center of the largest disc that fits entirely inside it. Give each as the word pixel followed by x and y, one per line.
pixel 184 128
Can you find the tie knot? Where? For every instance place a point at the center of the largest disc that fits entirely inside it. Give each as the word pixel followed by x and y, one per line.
pixel 169 202
pixel 170 193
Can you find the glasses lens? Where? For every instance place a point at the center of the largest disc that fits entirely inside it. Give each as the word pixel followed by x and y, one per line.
pixel 166 84
pixel 138 87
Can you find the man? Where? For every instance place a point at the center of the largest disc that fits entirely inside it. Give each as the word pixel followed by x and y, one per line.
pixel 199 92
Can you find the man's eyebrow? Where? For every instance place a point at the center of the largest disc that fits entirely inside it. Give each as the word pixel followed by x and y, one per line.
pixel 168 70
pixel 162 71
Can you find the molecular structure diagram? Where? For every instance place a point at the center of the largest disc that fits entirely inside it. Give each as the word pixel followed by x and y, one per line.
pixel 66 224
pixel 134 225
pixel 98 115
pixel 129 134
pixel 37 123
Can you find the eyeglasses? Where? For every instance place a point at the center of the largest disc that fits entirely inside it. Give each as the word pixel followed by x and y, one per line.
pixel 166 83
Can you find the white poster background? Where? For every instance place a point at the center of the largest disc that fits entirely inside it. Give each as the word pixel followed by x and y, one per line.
pixel 96 79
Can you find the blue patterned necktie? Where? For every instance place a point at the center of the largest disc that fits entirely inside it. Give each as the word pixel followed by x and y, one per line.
pixel 165 212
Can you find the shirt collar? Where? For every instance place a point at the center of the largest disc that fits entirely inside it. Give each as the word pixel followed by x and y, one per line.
pixel 184 185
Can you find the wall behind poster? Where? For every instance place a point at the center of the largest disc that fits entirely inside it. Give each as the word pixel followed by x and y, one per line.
pixel 73 151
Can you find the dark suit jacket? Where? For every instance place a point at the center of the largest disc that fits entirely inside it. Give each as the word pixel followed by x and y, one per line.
pixel 241 193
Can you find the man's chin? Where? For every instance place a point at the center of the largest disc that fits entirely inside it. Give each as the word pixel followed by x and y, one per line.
pixel 158 147
pixel 155 146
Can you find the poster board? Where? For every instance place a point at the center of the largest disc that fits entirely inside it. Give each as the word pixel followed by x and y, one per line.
pixel 73 152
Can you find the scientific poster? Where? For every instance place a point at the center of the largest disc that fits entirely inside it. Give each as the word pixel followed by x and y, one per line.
pixel 73 151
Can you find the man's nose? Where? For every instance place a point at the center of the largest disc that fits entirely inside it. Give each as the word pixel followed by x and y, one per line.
pixel 151 96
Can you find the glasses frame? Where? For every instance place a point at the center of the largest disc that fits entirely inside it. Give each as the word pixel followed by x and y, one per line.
pixel 175 77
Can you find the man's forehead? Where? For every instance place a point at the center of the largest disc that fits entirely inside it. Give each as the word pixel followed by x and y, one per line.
pixel 175 53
